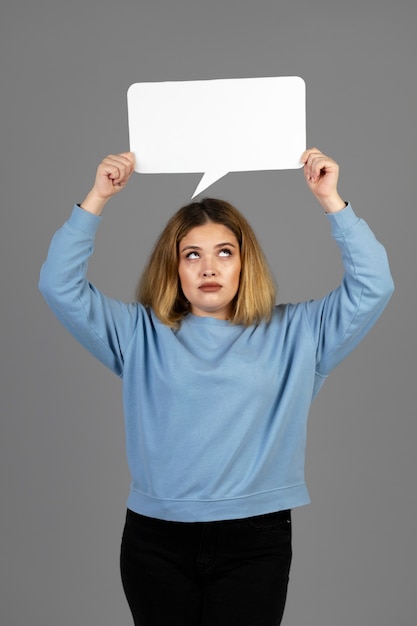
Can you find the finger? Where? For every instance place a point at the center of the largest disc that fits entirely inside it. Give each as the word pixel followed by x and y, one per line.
pixel 117 167
pixel 317 164
pixel 127 164
pixel 125 158
pixel 309 158
pixel 130 156
pixel 309 152
pixel 120 160
pixel 109 169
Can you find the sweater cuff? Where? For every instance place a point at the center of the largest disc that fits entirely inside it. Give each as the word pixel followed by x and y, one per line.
pixel 342 220
pixel 83 220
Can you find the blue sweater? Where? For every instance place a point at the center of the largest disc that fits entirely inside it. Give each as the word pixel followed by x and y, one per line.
pixel 216 413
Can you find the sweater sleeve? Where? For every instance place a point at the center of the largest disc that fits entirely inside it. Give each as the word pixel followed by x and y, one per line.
pixel 339 321
pixel 102 325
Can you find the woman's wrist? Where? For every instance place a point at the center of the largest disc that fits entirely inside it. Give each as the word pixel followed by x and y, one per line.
pixel 333 204
pixel 94 203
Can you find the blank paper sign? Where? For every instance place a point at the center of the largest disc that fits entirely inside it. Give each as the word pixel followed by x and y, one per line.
pixel 217 126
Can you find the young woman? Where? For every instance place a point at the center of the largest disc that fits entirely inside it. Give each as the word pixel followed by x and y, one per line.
pixel 217 384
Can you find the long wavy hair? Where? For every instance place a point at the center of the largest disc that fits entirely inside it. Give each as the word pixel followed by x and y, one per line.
pixel 160 288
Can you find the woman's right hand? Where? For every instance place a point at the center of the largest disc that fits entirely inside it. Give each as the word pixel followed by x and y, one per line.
pixel 112 175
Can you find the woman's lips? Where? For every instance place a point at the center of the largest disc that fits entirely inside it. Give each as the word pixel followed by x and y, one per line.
pixel 207 287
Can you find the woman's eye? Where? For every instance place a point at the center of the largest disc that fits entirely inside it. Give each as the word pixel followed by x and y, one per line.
pixel 192 255
pixel 225 252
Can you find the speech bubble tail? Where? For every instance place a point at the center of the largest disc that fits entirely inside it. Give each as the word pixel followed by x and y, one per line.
pixel 208 179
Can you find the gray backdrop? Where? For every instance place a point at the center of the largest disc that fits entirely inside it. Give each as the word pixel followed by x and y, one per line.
pixel 65 70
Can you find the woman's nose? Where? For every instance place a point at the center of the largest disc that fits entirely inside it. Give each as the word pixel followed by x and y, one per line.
pixel 208 266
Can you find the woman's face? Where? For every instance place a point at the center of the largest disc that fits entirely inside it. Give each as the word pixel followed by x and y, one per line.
pixel 209 269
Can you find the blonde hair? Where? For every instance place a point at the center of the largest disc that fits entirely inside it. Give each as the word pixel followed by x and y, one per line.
pixel 160 288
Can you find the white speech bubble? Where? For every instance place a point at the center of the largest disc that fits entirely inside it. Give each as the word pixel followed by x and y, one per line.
pixel 217 126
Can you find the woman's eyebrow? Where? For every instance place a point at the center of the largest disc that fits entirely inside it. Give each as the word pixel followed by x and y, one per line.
pixel 190 247
pixel 218 245
pixel 226 243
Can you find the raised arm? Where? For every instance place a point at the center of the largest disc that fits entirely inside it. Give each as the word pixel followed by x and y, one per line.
pixel 101 324
pixel 340 320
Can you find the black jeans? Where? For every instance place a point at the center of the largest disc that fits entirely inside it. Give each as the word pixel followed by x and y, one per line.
pixel 227 573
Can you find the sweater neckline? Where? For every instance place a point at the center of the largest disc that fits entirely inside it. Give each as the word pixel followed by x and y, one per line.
pixel 200 320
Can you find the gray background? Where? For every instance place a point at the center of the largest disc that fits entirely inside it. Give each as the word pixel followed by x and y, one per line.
pixel 65 70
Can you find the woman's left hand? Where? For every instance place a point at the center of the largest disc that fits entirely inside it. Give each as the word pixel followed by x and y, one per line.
pixel 322 174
